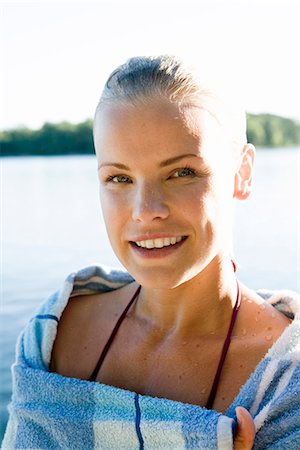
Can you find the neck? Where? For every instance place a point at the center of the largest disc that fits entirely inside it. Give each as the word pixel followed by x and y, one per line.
pixel 202 305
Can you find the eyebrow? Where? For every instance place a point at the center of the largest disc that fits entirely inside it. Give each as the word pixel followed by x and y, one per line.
pixel 164 163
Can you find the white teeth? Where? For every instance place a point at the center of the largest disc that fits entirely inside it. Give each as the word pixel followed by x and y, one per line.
pixel 159 243
pixel 149 243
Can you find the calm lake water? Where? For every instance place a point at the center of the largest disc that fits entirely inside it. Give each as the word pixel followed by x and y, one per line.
pixel 52 225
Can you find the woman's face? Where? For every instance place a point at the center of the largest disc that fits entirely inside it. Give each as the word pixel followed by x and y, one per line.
pixel 166 188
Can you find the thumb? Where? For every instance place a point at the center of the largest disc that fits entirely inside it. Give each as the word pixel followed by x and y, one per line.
pixel 245 434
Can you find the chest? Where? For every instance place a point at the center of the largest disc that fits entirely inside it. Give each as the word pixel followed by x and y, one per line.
pixel 181 371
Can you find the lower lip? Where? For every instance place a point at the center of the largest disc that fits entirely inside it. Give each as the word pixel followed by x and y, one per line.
pixel 157 252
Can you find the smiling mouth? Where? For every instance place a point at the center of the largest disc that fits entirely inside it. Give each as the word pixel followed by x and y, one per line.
pixel 150 244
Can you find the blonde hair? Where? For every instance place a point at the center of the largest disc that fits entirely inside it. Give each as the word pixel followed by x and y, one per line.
pixel 141 79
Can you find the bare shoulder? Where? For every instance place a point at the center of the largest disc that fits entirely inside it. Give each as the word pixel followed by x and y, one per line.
pixel 85 324
pixel 260 319
pixel 258 327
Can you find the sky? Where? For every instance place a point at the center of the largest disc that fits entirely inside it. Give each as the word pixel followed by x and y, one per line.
pixel 56 55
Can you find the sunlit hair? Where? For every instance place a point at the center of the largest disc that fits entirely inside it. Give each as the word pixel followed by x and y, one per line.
pixel 143 79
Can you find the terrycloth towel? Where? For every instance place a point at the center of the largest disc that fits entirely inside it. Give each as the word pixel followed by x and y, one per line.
pixel 49 411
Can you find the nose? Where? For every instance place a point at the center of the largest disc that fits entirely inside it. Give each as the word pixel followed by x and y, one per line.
pixel 149 203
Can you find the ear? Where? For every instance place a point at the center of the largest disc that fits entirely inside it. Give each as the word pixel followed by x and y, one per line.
pixel 243 176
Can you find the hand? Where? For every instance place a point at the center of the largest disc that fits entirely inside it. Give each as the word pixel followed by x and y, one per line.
pixel 245 434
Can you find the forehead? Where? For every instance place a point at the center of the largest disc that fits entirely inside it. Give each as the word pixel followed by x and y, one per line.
pixel 159 129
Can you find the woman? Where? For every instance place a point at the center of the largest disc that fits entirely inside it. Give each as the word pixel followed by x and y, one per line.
pixel 185 349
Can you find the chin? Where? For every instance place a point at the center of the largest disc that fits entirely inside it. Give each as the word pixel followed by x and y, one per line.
pixel 160 277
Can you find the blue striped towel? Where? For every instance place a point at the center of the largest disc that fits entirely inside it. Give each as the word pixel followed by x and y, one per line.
pixel 49 411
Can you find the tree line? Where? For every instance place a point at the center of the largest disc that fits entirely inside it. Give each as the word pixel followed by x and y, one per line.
pixel 263 130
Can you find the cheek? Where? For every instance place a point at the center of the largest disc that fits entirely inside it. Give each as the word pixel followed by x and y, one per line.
pixel 212 206
pixel 113 212
pixel 220 212
pixel 198 202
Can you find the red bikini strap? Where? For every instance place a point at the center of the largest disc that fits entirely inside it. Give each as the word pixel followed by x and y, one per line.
pixel 111 338
pixel 225 348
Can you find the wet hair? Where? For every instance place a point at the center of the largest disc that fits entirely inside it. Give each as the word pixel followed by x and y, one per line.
pixel 142 79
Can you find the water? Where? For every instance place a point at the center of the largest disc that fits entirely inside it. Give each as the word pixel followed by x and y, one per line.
pixel 52 225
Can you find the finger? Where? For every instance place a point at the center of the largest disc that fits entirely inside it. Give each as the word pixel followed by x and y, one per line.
pixel 245 434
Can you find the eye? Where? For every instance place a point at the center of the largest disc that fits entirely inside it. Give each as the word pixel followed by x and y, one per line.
pixel 184 172
pixel 121 179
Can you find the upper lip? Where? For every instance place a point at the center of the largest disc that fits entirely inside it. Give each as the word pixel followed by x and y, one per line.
pixel 147 237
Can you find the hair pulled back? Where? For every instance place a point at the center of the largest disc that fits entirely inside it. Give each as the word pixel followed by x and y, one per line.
pixel 142 79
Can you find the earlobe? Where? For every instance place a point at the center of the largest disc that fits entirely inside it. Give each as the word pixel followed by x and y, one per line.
pixel 243 176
